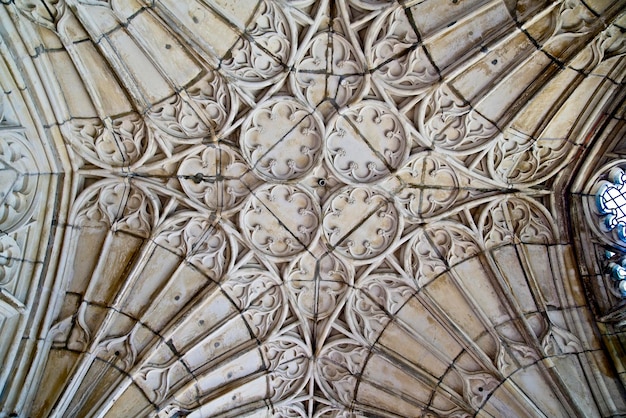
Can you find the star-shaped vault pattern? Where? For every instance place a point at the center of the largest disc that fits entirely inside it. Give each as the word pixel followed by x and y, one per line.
pixel 319 208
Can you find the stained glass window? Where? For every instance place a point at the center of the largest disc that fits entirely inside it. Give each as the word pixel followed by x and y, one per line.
pixel 611 200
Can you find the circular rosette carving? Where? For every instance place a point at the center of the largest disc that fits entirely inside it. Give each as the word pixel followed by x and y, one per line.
pixel 431 186
pixel 18 182
pixel 318 284
pixel 360 223
pixel 10 254
pixel 282 140
pixel 280 220
pixel 218 177
pixel 329 69
pixel 197 238
pixel 366 142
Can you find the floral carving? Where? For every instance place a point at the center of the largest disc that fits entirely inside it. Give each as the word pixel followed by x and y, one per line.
pixel 218 177
pixel 177 118
pixel 156 380
pixel 574 17
pixel 514 220
pixel 366 142
pixel 378 299
pixel 312 192
pixel 360 223
pixel 400 63
pixel 558 341
pixel 215 100
pixel 120 350
pixel 338 366
pixel 199 240
pixel 519 159
pixel 454 242
pixel 280 220
pixel 10 255
pixel 282 140
pixel 288 361
pixel 318 284
pixel 451 124
pixel 118 143
pixel 430 185
pixel 260 298
pixel 478 387
pixel 422 259
pixel 119 204
pixel 338 77
pixel 262 55
pixel 46 13
pixel 18 182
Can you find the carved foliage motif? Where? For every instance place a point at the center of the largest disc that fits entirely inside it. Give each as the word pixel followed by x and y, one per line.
pixel 120 204
pixel 217 177
pixel 558 341
pixel 197 239
pixel 176 117
pixel 215 100
pixel 429 185
pixel 478 387
pixel 18 181
pixel 513 220
pixel 375 303
pixel 452 124
pixel 261 299
pixel 338 366
pixel 118 143
pixel 401 64
pixel 337 76
pixel 46 13
pixel 282 140
pixel 294 176
pixel 318 284
pixel 263 57
pixel 289 361
pixel 10 254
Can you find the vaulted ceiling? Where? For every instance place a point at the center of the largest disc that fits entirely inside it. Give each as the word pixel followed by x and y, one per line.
pixel 349 208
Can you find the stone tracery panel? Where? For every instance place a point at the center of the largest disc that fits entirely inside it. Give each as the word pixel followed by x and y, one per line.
pixel 302 206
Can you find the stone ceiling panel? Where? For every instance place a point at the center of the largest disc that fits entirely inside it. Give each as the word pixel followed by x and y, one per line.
pixel 317 209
